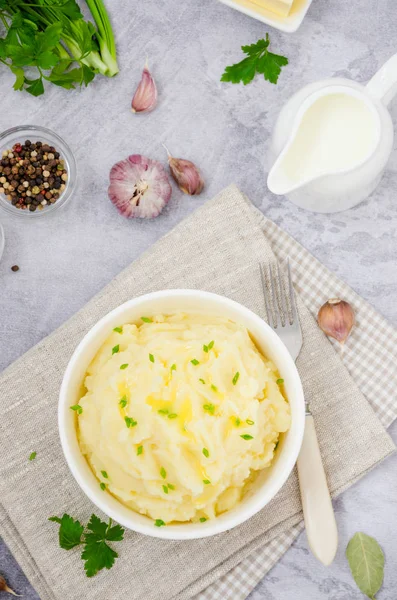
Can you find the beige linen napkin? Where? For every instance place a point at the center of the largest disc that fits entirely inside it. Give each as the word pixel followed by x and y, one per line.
pixel 218 248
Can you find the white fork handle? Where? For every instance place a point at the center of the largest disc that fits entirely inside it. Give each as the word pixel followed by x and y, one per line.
pixel 321 529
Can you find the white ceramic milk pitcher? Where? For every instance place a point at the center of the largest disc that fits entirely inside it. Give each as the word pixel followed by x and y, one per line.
pixel 332 141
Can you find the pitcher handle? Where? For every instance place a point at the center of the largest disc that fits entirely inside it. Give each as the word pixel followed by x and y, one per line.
pixel 383 84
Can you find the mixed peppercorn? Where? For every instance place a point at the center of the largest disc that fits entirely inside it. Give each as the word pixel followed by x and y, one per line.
pixel 32 175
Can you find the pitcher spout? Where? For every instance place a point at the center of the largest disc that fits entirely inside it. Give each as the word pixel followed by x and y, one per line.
pixel 279 183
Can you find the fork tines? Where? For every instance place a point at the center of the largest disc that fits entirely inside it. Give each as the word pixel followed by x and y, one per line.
pixel 279 294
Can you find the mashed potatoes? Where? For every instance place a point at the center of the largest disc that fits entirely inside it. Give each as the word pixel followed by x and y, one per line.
pixel 179 412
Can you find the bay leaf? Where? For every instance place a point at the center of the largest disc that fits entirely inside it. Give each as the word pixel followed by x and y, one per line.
pixel 366 561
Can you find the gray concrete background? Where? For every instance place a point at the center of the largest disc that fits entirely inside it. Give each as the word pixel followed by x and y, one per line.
pixel 64 260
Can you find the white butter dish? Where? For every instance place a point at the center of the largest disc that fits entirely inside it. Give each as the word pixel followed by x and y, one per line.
pixel 289 23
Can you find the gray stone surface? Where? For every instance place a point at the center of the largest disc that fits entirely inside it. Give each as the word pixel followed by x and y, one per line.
pixel 64 260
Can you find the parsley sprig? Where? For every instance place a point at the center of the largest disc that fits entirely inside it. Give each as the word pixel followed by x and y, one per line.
pixel 51 41
pixel 97 554
pixel 258 60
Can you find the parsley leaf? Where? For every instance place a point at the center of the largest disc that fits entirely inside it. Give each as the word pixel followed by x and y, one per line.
pixel 70 531
pixel 35 87
pixel 258 60
pixel 97 554
pixel 19 77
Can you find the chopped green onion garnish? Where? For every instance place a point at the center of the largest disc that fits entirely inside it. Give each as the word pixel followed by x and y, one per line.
pixel 205 452
pixel 159 523
pixel 163 473
pixel 122 367
pixel 235 378
pixel 105 475
pixel 115 349
pixel 123 401
pixel 245 436
pixel 195 362
pixel 173 367
pixel 209 347
pixel 206 482
pixel 202 381
pixel 209 408
pixel 102 486
pixel 118 329
pixel 172 416
pixel 165 489
pixel 146 320
pixel 139 450
pixel 170 486
pixel 77 408
pixel 213 387
pixel 33 456
pixel 130 422
pixel 151 358
pixel 237 422
pixel 163 411
pixel 249 422
pixel 203 519
pixel 280 381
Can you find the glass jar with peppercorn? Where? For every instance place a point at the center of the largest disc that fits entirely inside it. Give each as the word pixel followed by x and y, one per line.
pixel 37 171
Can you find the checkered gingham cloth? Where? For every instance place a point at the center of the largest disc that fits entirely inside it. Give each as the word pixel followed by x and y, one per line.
pixel 370 357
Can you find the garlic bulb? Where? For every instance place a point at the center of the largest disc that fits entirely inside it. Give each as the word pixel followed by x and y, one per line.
pixel 139 187
pixel 336 318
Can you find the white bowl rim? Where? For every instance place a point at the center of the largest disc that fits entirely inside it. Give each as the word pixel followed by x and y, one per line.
pixel 181 531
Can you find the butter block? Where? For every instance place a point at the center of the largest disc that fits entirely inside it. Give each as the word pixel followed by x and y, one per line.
pixel 280 7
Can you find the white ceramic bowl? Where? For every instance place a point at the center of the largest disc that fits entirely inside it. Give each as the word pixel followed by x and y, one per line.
pixel 268 482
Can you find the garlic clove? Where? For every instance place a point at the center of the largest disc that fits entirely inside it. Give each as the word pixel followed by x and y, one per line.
pixel 186 175
pixel 336 318
pixel 145 97
pixel 4 587
pixel 139 187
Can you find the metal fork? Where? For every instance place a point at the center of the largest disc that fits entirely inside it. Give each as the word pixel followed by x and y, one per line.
pixel 283 318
